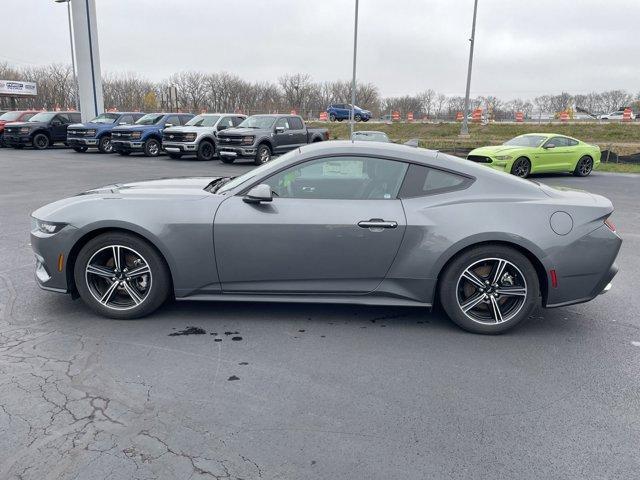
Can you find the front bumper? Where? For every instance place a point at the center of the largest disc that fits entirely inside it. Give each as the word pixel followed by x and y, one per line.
pixel 127 146
pixel 16 140
pixel 82 142
pixel 52 253
pixel 237 152
pixel 180 147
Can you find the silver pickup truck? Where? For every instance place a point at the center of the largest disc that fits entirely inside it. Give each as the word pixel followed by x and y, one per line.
pixel 198 136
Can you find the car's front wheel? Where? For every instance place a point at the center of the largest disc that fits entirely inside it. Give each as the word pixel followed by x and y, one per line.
pixel 584 166
pixel 332 118
pixel 489 289
pixel 119 275
pixel 152 148
pixel 263 154
pixel 41 141
pixel 206 151
pixel 104 145
pixel 521 167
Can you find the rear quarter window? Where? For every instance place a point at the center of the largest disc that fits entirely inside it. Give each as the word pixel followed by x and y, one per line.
pixel 421 181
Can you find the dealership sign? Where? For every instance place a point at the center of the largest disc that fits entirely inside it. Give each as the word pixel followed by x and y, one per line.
pixel 12 87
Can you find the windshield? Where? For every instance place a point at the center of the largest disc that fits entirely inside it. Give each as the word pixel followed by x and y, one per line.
pixel 370 136
pixel 150 119
pixel 106 118
pixel 203 121
pixel 256 172
pixel 42 117
pixel 526 141
pixel 258 121
pixel 12 116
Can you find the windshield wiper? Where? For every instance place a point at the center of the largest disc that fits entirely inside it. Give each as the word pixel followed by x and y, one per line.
pixel 214 186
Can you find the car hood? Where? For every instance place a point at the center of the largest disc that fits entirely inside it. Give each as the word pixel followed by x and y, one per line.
pixel 495 150
pixel 172 189
pixel 137 128
pixel 28 124
pixel 239 131
pixel 97 126
pixel 185 129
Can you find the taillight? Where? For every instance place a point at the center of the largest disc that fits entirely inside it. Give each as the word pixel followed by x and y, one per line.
pixel 610 225
pixel 554 278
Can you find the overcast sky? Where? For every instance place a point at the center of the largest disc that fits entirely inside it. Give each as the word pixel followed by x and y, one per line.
pixel 523 48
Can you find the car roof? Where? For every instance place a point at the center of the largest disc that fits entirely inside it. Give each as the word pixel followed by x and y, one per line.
pixel 549 135
pixel 368 132
pixel 219 113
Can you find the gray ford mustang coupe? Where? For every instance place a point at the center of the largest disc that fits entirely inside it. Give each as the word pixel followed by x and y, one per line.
pixel 334 222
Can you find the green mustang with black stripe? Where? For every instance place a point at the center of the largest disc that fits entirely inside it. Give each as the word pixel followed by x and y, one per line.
pixel 539 153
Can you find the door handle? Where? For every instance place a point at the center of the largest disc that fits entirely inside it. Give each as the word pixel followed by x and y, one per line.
pixel 377 223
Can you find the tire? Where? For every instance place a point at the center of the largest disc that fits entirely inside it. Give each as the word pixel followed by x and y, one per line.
pixel 263 154
pixel 357 117
pixel 129 296
pixel 332 118
pixel 80 149
pixel 584 167
pixel 521 167
pixel 518 282
pixel 151 148
pixel 227 160
pixel 206 151
pixel 104 145
pixel 175 156
pixel 124 154
pixel 40 141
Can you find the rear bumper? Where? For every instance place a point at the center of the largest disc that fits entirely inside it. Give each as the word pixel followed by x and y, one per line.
pixel 585 268
pixel 127 146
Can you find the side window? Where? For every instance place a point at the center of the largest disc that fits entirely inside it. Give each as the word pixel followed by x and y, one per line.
pixel 296 123
pixel 571 142
pixel 237 121
pixel 558 142
pixel 63 118
pixel 226 121
pixel 283 123
pixel 347 178
pixel 184 119
pixel 173 120
pixel 76 118
pixel 127 119
pixel 422 181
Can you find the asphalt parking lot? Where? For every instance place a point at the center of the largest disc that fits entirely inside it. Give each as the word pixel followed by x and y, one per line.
pixel 304 391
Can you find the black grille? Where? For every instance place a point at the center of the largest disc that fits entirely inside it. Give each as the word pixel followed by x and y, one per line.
pixel 229 140
pixel 11 129
pixel 76 132
pixel 174 136
pixel 479 159
pixel 121 135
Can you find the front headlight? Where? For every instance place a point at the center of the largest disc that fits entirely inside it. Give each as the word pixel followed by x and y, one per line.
pixel 504 157
pixel 136 135
pixel 25 129
pixel 190 137
pixel 248 140
pixel 90 133
pixel 46 227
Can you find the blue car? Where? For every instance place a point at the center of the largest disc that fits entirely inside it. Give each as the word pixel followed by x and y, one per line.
pixel 342 111
pixel 97 132
pixel 145 135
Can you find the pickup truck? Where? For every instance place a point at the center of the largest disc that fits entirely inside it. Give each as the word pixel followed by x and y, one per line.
pixel 13 117
pixel 145 135
pixel 40 131
pixel 198 136
pixel 97 132
pixel 261 136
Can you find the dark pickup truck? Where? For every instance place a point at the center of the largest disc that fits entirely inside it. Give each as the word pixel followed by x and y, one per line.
pixel 261 136
pixel 40 131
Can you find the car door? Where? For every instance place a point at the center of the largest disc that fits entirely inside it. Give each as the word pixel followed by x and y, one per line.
pixel 334 226
pixel 59 125
pixel 299 132
pixel 283 137
pixel 553 156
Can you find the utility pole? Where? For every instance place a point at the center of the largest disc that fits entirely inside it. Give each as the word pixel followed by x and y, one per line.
pixel 73 55
pixel 464 129
pixel 353 80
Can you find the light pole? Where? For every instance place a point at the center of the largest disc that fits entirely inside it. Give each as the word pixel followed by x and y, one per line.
pixel 73 55
pixel 464 129
pixel 353 80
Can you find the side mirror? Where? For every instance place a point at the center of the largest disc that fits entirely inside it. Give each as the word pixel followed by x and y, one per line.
pixel 279 129
pixel 551 145
pixel 258 194
pixel 221 127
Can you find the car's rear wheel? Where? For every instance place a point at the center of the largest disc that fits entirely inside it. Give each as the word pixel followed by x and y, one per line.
pixel 332 118
pixel 357 117
pixel 206 151
pixel 152 148
pixel 104 145
pixel 263 154
pixel 119 275
pixel 521 167
pixel 40 141
pixel 489 289
pixel 80 149
pixel 584 166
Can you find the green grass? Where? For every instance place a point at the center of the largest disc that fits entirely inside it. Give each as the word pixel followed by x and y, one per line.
pixel 619 167
pixel 623 138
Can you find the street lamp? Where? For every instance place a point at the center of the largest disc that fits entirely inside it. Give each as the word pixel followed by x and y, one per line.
pixel 464 129
pixel 73 56
pixel 353 80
